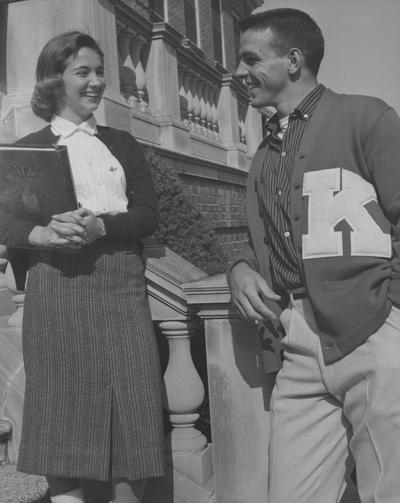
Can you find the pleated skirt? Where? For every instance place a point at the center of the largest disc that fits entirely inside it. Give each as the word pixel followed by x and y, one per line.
pixel 93 388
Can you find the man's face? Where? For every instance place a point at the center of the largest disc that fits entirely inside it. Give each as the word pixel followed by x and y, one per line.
pixel 265 73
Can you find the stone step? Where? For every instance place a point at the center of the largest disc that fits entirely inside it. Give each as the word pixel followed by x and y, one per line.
pixel 17 487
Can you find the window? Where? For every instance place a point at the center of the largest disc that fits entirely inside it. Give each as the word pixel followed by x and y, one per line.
pixel 190 20
pixel 157 10
pixel 236 34
pixel 217 30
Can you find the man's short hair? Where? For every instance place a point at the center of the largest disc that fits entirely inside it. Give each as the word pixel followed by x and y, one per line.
pixel 290 28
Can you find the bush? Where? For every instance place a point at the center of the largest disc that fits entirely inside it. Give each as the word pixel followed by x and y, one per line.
pixel 182 227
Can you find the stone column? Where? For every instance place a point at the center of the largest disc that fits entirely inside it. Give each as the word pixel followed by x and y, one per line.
pixel 183 395
pixel 239 391
pixel 229 122
pixel 164 92
pixel 253 131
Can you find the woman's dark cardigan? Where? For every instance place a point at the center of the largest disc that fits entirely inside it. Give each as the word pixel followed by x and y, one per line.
pixel 140 221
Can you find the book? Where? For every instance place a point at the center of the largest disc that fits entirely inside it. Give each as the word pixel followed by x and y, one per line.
pixel 35 182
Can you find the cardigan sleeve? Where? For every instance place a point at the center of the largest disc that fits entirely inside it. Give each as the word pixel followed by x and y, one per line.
pixel 382 153
pixel 142 216
pixel 247 254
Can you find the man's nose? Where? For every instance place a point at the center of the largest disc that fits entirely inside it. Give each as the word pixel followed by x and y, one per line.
pixel 241 70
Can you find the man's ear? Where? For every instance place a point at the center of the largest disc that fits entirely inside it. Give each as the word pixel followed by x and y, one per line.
pixel 295 58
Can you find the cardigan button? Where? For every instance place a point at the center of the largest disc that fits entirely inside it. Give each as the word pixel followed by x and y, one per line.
pixel 260 212
pixel 265 240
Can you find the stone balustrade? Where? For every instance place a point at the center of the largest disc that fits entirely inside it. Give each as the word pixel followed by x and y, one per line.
pixel 132 73
pixel 177 98
pixel 198 102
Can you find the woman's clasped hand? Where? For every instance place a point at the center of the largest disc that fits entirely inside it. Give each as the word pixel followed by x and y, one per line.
pixel 72 229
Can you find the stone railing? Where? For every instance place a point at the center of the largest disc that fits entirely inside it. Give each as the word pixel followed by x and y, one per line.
pixel 199 89
pixel 133 37
pixel 177 98
pixel 198 101
pixel 182 298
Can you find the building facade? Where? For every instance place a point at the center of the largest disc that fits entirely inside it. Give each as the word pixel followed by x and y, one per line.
pixel 169 68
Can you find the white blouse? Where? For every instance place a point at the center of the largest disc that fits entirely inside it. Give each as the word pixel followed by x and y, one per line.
pixel 98 176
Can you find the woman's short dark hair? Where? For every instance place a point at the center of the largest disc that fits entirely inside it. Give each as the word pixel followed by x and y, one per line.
pixel 290 28
pixel 51 64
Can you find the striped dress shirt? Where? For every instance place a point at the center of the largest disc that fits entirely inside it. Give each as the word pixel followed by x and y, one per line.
pixel 274 193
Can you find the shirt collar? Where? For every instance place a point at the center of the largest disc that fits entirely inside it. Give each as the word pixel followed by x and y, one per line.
pixel 65 128
pixel 306 107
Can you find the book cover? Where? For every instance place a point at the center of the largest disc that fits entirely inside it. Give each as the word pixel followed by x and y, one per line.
pixel 35 182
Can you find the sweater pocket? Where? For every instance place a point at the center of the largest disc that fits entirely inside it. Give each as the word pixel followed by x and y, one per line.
pixel 342 284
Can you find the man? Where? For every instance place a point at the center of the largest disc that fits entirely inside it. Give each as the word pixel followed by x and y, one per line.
pixel 323 208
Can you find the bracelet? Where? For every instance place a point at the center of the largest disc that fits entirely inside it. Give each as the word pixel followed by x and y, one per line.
pixel 103 230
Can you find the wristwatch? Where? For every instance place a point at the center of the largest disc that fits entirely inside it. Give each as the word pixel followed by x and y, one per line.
pixel 103 230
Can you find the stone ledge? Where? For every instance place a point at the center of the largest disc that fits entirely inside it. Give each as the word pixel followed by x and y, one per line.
pixel 17 487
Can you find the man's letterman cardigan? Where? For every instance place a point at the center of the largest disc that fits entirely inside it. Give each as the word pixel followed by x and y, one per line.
pixel 345 183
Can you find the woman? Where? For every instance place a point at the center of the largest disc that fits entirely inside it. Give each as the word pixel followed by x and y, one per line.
pixel 92 413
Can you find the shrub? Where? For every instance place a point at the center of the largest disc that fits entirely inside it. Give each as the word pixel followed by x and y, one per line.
pixel 182 227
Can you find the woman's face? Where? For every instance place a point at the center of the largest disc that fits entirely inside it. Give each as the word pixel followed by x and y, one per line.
pixel 84 86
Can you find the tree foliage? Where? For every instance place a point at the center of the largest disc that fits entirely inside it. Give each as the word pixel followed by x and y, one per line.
pixel 182 227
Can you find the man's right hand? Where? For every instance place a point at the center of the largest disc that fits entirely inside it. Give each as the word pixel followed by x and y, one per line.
pixel 248 288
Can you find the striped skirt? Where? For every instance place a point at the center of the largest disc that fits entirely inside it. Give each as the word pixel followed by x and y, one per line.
pixel 93 388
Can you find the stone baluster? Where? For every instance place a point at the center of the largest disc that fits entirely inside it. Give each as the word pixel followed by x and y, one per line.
pixel 209 95
pixel 242 111
pixel 15 319
pixel 184 390
pixel 203 106
pixel 196 102
pixel 126 66
pixel 242 132
pixel 187 100
pixel 189 78
pixel 183 96
pixel 3 265
pixel 214 118
pixel 136 48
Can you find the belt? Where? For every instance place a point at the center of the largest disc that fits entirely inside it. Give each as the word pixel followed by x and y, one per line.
pixel 298 293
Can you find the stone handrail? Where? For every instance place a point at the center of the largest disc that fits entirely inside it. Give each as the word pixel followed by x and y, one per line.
pixel 239 392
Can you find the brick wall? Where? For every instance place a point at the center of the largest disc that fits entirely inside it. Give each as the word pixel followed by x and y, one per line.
pixel 139 6
pixel 223 204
